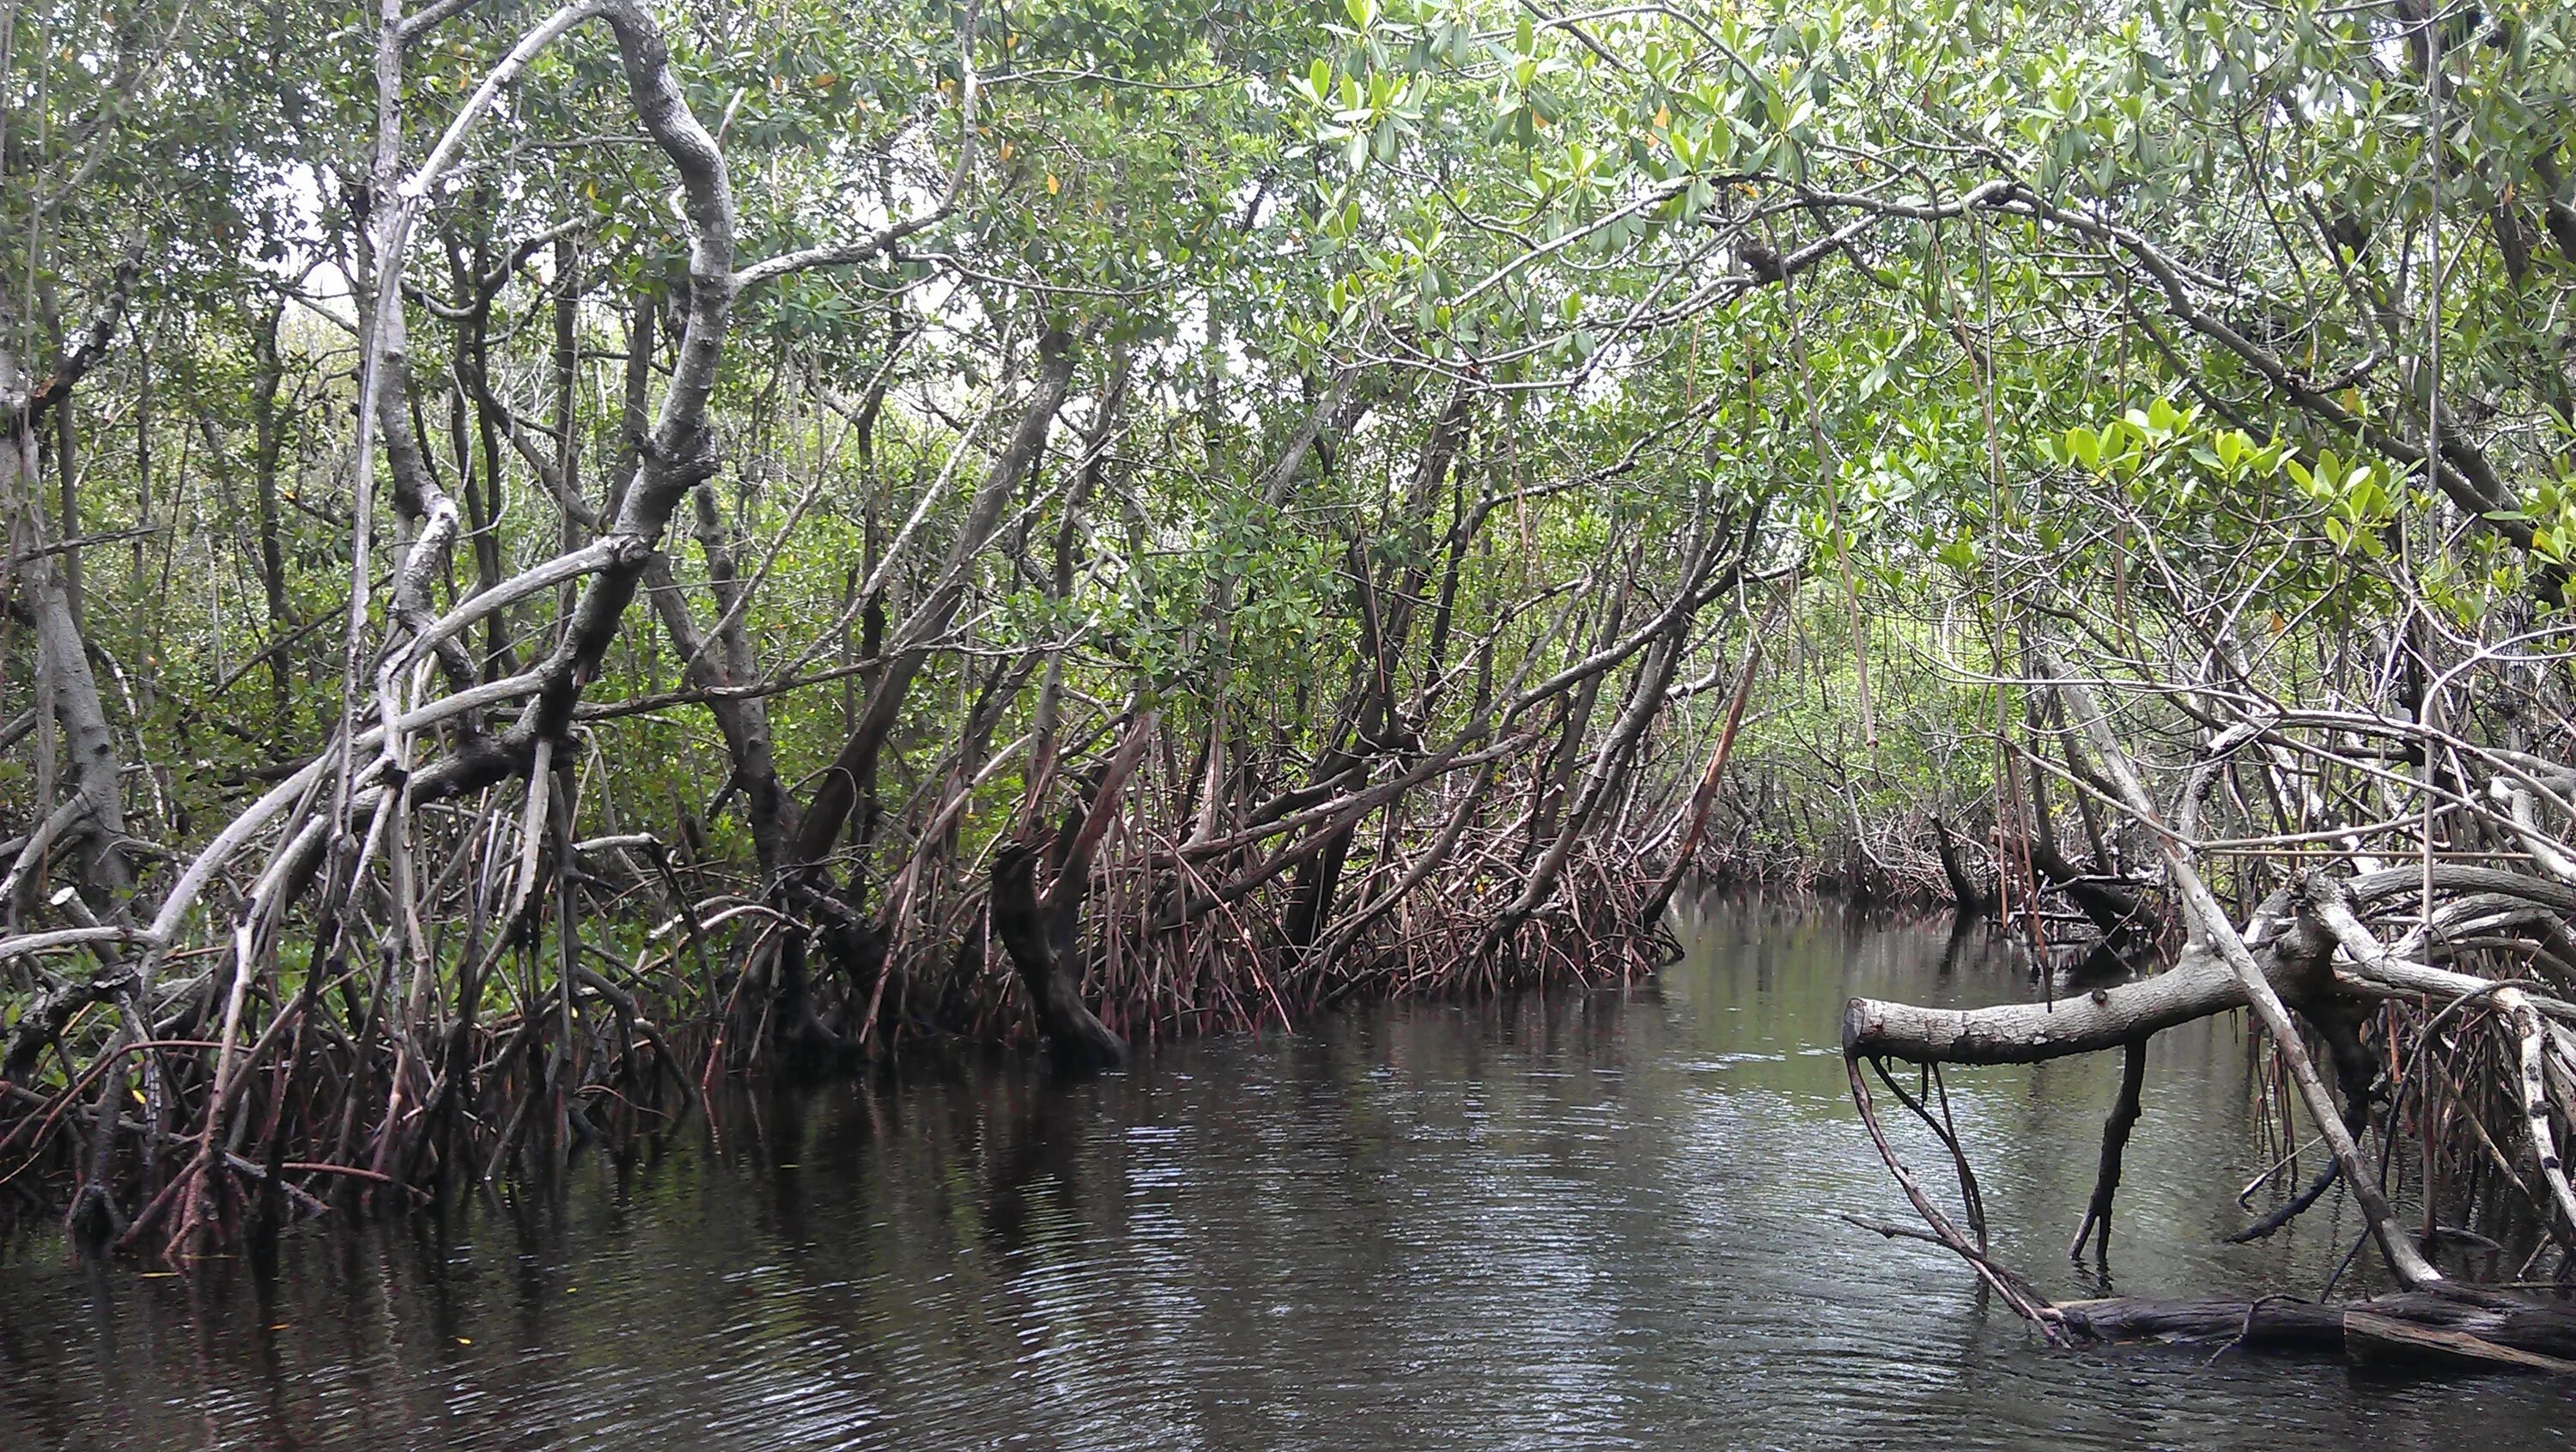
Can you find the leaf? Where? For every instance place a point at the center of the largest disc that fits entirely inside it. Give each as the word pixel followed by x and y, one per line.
pixel 2086 447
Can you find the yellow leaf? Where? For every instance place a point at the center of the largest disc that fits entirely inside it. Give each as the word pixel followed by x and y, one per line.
pixel 1663 117
pixel 1053 184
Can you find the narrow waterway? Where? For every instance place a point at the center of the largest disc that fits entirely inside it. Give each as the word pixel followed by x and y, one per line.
pixel 1570 1222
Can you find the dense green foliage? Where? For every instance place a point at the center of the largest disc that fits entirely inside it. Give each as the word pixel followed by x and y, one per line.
pixel 1367 440
pixel 1583 220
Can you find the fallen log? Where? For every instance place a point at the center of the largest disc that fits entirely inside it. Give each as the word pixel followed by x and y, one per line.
pixel 2448 1329
pixel 2293 940
pixel 2030 1033
pixel 2293 951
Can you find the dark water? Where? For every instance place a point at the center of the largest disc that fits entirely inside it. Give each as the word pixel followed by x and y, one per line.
pixel 1573 1223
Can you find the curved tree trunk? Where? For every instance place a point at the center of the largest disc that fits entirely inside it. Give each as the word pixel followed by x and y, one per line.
pixel 850 777
pixel 1043 934
pixel 91 819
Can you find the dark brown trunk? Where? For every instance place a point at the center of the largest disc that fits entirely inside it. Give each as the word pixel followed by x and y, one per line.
pixel 1043 935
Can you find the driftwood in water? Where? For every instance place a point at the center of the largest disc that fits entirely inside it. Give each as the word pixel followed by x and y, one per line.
pixel 2451 1328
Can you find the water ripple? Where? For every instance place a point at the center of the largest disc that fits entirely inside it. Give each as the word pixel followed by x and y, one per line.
pixel 1578 1222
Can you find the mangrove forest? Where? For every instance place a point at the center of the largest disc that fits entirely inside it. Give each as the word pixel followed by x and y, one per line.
pixel 580 573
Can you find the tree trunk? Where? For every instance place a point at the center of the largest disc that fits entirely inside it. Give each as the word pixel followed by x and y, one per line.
pixel 1043 935
pixel 850 778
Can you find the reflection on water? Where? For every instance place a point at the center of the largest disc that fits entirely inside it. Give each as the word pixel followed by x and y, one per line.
pixel 1604 1221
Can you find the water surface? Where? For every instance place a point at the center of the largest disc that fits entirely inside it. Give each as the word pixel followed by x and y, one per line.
pixel 1578 1221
